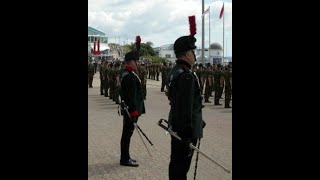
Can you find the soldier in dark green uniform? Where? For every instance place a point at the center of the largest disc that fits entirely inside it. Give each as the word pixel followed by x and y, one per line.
pixel 131 93
pixel 209 83
pixel 90 73
pixel 143 77
pixel 164 75
pixel 185 115
pixel 112 81
pixel 149 70
pixel 101 77
pixel 222 79
pixel 228 86
pixel 200 73
pixel 217 85
pixel 157 71
pixel 106 86
pixel 117 82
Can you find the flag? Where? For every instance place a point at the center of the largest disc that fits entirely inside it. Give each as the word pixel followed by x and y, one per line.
pixel 221 12
pixel 206 12
pixel 94 48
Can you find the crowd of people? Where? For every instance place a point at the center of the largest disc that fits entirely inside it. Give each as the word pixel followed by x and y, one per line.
pixel 186 84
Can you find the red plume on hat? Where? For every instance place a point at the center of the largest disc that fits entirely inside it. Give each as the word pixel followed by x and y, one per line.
pixel 192 23
pixel 185 43
pixel 138 42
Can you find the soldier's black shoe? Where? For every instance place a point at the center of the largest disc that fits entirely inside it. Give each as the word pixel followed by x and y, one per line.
pixel 207 101
pixel 227 107
pixel 129 163
pixel 101 94
pixel 90 87
pixel 133 160
pixel 218 104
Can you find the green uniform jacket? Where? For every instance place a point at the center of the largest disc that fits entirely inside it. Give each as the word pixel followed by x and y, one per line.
pixel 185 115
pixel 131 92
pixel 90 69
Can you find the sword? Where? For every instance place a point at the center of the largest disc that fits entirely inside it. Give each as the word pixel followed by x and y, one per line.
pixel 135 125
pixel 190 145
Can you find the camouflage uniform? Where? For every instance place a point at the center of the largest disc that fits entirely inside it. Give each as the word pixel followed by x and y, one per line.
pixel 209 84
pixel 143 77
pixel 90 73
pixel 101 78
pixel 106 79
pixel 163 76
pixel 157 71
pixel 111 81
pixel 201 75
pixel 217 86
pixel 228 87
pixel 222 84
pixel 117 75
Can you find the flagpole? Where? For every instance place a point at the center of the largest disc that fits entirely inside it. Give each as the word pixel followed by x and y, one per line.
pixel 223 36
pixel 209 36
pixel 202 44
pixel 227 48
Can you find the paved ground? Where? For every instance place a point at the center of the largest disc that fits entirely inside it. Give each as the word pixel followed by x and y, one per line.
pixel 105 128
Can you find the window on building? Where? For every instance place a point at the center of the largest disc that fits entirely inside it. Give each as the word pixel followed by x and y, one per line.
pixel 95 39
pixel 168 55
pixel 89 39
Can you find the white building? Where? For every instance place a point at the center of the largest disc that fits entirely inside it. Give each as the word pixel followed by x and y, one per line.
pixel 166 51
pixel 93 36
pixel 213 55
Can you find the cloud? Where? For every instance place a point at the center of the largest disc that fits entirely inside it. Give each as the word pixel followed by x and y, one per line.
pixel 158 21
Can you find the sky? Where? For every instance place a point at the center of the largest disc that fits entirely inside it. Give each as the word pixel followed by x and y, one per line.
pixel 160 21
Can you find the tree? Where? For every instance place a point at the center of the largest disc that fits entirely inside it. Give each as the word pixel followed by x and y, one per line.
pixel 145 48
pixel 155 59
pixel 149 43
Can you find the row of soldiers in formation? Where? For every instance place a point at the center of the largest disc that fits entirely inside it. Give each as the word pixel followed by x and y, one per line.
pixel 110 79
pixel 212 78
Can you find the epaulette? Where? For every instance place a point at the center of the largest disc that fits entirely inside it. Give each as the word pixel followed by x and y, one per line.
pixel 124 74
pixel 176 74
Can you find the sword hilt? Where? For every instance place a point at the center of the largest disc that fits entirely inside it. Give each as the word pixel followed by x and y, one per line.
pixel 163 126
pixel 190 145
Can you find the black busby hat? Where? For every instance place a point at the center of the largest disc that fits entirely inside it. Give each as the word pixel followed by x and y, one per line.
pixel 132 55
pixel 186 43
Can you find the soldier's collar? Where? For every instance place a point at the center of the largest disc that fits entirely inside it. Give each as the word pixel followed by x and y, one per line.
pixel 129 68
pixel 182 62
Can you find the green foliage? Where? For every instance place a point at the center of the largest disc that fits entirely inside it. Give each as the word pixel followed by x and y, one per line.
pixel 155 59
pixel 146 51
pixel 145 48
